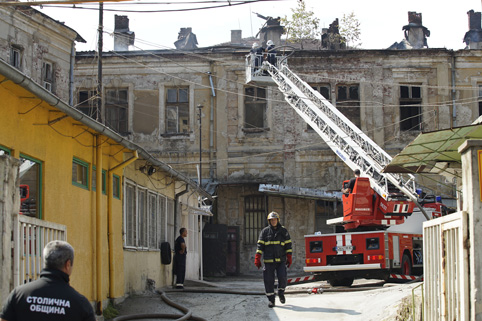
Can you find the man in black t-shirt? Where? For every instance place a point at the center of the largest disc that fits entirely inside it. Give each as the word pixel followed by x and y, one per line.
pixel 180 253
pixel 50 297
pixel 351 184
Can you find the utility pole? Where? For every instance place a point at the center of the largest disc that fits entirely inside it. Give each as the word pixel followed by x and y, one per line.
pixel 99 64
pixel 200 146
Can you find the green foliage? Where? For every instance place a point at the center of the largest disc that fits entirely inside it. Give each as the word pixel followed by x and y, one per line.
pixel 302 25
pixel 110 312
pixel 350 30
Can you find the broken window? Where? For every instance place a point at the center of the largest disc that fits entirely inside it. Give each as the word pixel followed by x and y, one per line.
pixel 348 102
pixel 116 107
pixel 254 217
pixel 47 75
pixel 16 56
pixel 255 109
pixel 410 108
pixel 87 103
pixel 177 110
pixel 31 184
pixel 324 90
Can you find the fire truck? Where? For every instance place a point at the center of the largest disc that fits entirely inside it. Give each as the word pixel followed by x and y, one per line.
pixel 382 216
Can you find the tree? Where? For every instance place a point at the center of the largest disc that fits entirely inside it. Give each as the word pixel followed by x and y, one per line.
pixel 302 26
pixel 350 30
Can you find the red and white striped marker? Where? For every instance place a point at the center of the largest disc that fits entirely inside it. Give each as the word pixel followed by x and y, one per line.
pixel 302 279
pixel 404 277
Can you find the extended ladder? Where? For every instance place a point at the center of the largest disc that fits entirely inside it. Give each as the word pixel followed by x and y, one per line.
pixel 355 148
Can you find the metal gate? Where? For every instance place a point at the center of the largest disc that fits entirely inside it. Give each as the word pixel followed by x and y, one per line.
pixel 446 290
pixel 30 236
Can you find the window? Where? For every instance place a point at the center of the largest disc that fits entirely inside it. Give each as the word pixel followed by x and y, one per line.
pixel 145 217
pixel 410 108
pixel 324 90
pixel 172 231
pixel 177 110
pixel 254 218
pixel 47 76
pixel 16 56
pixel 31 177
pixel 348 102
pixel 80 173
pixel 255 109
pixel 87 103
pixel 326 210
pixel 94 179
pixel 116 106
pixel 116 186
pixel 480 100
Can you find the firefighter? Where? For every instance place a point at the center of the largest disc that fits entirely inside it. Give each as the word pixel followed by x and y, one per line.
pixel 180 254
pixel 351 184
pixel 274 244
pixel 271 52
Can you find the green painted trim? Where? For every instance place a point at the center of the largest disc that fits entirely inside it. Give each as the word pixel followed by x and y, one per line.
pixel 116 187
pixel 86 165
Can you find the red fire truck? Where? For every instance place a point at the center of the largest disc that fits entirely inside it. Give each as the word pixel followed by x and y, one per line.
pixel 381 234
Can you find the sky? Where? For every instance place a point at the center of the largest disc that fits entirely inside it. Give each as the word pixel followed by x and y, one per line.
pixel 381 20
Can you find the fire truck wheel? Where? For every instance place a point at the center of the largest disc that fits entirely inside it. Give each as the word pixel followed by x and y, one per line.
pixel 406 265
pixel 348 281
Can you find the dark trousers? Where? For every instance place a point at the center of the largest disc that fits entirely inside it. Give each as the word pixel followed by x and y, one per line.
pixel 180 268
pixel 268 277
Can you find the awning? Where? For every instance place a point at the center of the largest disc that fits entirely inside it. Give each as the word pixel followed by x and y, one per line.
pixel 204 210
pixel 434 152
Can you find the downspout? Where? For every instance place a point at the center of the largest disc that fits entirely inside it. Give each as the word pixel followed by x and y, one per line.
pixel 211 127
pixel 454 106
pixel 71 81
pixel 98 225
pixel 110 225
pixel 176 201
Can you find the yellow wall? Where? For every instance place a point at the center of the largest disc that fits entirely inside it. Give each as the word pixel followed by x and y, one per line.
pixel 25 129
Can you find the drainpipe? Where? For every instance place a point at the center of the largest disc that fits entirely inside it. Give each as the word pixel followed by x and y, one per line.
pixel 454 107
pixel 71 81
pixel 110 225
pixel 211 126
pixel 98 225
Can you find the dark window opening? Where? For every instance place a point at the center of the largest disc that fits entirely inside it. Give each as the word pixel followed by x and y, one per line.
pixel 373 243
pixel 177 110
pixel 255 108
pixel 87 103
pixel 316 247
pixel 116 107
pixel 348 102
pixel 410 108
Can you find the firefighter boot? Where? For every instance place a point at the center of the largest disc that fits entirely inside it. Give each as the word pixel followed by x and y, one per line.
pixel 271 303
pixel 281 295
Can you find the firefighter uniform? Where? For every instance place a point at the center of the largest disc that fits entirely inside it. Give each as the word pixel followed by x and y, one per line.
pixel 48 298
pixel 179 262
pixel 274 244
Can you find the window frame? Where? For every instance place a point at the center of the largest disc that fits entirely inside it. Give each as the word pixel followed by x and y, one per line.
pixel 6 150
pixel 39 195
pixel 412 120
pixel 253 224
pixel 180 108
pixel 258 102
pixel 84 165
pixel 16 53
pixel 48 78
pixel 94 180
pixel 118 107
pixel 153 237
pixel 116 183
pixel 89 105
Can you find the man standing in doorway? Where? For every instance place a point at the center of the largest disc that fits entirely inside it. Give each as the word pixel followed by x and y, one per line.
pixel 50 297
pixel 274 244
pixel 180 258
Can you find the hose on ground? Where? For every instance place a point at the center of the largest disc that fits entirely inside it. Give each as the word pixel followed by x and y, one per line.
pixel 187 312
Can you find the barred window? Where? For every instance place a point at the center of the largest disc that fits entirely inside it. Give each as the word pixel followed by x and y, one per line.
pixel 254 218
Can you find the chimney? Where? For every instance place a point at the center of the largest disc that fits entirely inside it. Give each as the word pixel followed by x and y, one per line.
pixel 236 37
pixel 415 33
pixel 271 31
pixel 186 40
pixel 122 36
pixel 473 37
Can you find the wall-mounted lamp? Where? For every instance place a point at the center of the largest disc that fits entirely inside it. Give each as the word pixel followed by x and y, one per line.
pixel 151 170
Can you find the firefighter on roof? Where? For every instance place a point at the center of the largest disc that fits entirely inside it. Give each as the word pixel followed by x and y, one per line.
pixel 274 244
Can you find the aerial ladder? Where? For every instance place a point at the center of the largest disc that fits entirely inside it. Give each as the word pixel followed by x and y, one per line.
pixel 394 195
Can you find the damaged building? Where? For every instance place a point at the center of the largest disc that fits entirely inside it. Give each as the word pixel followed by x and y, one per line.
pixel 195 111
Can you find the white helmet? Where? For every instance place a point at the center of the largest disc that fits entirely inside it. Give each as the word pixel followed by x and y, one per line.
pixel 255 45
pixel 273 215
pixel 270 43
